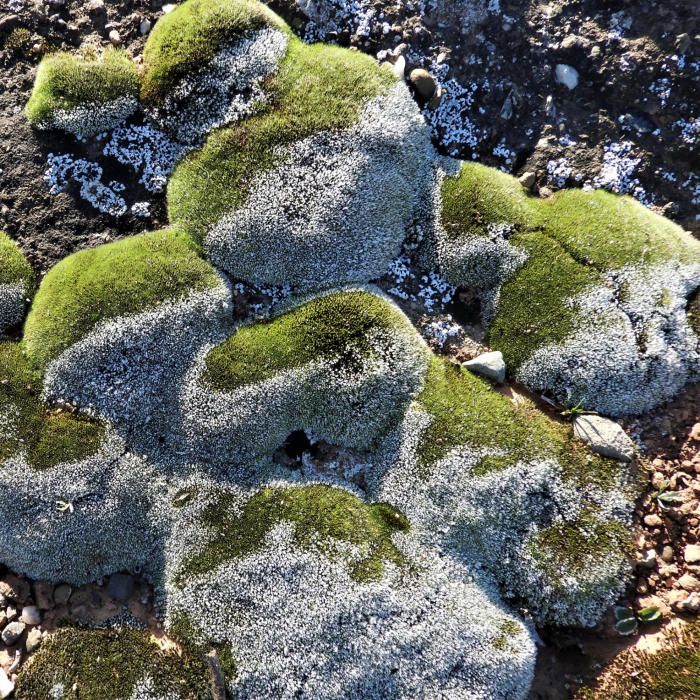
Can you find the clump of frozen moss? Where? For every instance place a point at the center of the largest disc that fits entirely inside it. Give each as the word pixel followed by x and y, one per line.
pixel 585 292
pixel 84 95
pixel 16 283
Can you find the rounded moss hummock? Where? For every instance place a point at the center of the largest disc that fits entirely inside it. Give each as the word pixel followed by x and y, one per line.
pixel 84 95
pixel 585 292
pixel 16 283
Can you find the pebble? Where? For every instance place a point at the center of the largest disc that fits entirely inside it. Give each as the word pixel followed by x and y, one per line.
pixel 62 593
pixel 490 365
pixel 31 615
pixel 33 640
pixel 115 38
pixel 399 67
pixel 648 559
pixel 120 586
pixel 687 582
pixel 667 552
pixel 7 687
pixel 566 75
pixel 13 632
pixel 167 9
pixel 604 436
pixel 527 180
pixel 692 553
pixel 145 26
pixel 423 82
pixel 695 432
pixel 43 595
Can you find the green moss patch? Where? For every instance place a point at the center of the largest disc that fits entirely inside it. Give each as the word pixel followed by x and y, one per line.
pixel 14 267
pixel 321 514
pixel 119 278
pixel 317 88
pixel 101 664
pixel 337 326
pixel 48 437
pixel 191 35
pixel 64 82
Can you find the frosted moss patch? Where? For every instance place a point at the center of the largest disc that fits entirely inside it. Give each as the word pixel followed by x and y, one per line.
pixel 16 283
pixel 83 95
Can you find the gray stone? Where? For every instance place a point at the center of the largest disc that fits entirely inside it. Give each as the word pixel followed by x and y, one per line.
pixel 423 82
pixel 527 180
pixel 33 640
pixel 145 26
pixel 115 38
pixel 692 553
pixel 566 75
pixel 61 594
pixel 43 595
pixel 7 687
pixel 120 586
pixel 13 632
pixel 490 365
pixel 605 437
pixel 687 582
pixel 31 615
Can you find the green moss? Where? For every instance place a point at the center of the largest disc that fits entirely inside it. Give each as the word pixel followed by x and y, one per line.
pixel 508 632
pixel 120 278
pixel 13 265
pixel 64 81
pixel 321 514
pixel 317 88
pixel 100 664
pixel 464 410
pixel 191 36
pixel 337 325
pixel 47 437
pixel 17 40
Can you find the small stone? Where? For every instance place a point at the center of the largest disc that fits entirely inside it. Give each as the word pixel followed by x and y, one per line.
pixel 399 67
pixel 33 640
pixel 145 26
pixel 62 593
pixel 545 192
pixel 7 687
pixel 691 604
pixel 527 180
pixel 43 595
pixel 120 586
pixel 692 553
pixel 687 582
pixel 605 437
pixel 566 75
pixel 676 599
pixel 11 613
pixel 667 553
pixel 31 615
pixel 15 588
pixel 167 9
pixel 13 632
pixel 695 432
pixel 423 82
pixel 648 559
pixel 115 38
pixel 3 619
pixel 490 365
pixel 595 52
pixel 653 520
pixel 682 42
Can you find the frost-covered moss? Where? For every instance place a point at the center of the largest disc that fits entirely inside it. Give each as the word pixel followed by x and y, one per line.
pixel 121 664
pixel 16 283
pixel 83 95
pixel 94 286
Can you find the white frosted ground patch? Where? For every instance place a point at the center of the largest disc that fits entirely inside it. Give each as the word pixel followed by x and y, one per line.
pixel 129 369
pixel 350 402
pixel 634 348
pixel 108 526
pixel 339 205
pixel 145 689
pixel 91 118
pixel 226 89
pixel 12 304
pixel 300 626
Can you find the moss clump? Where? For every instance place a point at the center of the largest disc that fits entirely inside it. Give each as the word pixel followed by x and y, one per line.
pixel 100 664
pixel 47 437
pixel 65 82
pixel 317 88
pixel 320 514
pixel 508 632
pixel 338 327
pixel 119 278
pixel 14 267
pixel 464 410
pixel 191 36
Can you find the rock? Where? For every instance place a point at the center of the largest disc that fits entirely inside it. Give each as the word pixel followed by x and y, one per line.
pixel 11 613
pixel 43 595
pixel 120 586
pixel 574 41
pixel 676 599
pixel 15 588
pixel 13 632
pixel 692 553
pixel 115 38
pixel 566 75
pixel 687 582
pixel 33 640
pixel 399 67
pixel 7 687
pixel 3 619
pixel 167 9
pixel 490 365
pixel 682 42
pixel 695 432
pixel 8 22
pixel 691 604
pixel 62 593
pixel 545 192
pixel 666 552
pixel 31 615
pixel 527 180
pixel 648 559
pixel 423 82
pixel 605 437
pixel 145 26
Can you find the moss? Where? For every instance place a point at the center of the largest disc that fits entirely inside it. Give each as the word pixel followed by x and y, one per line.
pixel 48 437
pixel 17 39
pixel 508 631
pixel 191 36
pixel 464 410
pixel 320 514
pixel 119 278
pixel 64 81
pixel 337 326
pixel 317 88
pixel 14 267
pixel 98 664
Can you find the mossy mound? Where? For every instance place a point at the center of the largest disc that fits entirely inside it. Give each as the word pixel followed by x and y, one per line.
pixel 579 268
pixel 116 279
pixel 94 664
pixel 16 283
pixel 83 95
pixel 191 35
pixel 47 437
pixel 322 516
